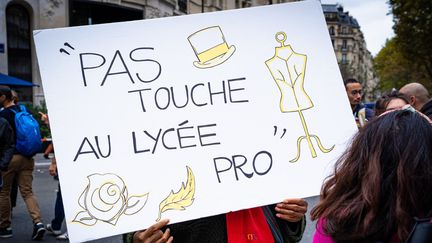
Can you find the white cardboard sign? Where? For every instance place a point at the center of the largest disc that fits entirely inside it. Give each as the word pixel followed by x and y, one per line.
pixel 191 116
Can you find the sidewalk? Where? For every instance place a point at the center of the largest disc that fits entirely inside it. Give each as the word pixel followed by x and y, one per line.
pixel 45 189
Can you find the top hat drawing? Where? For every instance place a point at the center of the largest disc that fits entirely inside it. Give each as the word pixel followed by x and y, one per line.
pixel 210 47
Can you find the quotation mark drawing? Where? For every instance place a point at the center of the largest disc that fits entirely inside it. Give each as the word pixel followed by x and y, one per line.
pixel 66 45
pixel 105 199
pixel 275 131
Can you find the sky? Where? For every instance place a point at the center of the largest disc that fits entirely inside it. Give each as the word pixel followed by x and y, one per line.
pixel 373 18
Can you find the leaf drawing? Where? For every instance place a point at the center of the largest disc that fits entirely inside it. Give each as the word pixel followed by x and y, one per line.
pixel 85 218
pixel 135 204
pixel 181 199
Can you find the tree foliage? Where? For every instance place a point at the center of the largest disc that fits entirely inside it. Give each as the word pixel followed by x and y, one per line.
pixel 394 69
pixel 413 40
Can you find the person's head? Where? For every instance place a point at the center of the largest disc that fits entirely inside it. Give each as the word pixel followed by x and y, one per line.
pixel 382 177
pixel 5 95
pixel 354 91
pixel 417 94
pixel 15 97
pixel 392 101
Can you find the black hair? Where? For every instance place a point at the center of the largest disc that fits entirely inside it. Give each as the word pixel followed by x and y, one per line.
pixel 350 81
pixel 5 90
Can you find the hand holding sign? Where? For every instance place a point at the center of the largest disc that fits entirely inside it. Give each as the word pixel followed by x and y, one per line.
pixel 154 234
pixel 206 101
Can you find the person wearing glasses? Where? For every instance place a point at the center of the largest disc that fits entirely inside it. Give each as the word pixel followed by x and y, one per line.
pixel 354 91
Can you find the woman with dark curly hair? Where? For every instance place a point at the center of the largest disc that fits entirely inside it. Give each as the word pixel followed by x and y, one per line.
pixel 381 182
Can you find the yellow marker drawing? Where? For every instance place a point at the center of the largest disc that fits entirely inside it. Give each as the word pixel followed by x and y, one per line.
pixel 181 199
pixel 210 47
pixel 287 68
pixel 106 198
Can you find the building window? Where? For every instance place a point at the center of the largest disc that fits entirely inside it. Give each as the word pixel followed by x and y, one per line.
pixel 344 30
pixel 242 3
pixel 182 5
pixel 89 12
pixel 331 30
pixel 344 59
pixel 18 46
pixel 344 45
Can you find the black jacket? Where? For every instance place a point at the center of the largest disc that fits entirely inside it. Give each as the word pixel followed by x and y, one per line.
pixel 427 109
pixel 7 146
pixel 213 230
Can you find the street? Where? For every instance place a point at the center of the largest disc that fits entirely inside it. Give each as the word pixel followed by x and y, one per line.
pixel 45 188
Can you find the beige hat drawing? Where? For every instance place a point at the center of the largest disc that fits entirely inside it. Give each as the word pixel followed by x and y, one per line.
pixel 210 47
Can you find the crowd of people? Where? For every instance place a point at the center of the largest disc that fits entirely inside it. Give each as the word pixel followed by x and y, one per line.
pixel 375 194
pixel 17 173
pixel 378 191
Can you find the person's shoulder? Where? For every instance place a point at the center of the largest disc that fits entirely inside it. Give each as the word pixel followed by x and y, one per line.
pixel 8 113
pixel 3 122
pixel 369 113
pixel 427 108
pixel 4 112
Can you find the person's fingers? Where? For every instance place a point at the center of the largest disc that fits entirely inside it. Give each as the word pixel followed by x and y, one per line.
pixel 166 234
pixel 158 225
pixel 294 204
pixel 292 210
pixel 170 240
pixel 290 216
pixel 156 236
pixel 291 207
pixel 152 233
pixel 165 237
pixel 298 201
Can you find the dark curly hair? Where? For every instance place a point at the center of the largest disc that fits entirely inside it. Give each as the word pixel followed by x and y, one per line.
pixel 381 182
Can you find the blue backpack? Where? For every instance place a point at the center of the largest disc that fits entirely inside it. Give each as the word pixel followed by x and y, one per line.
pixel 28 137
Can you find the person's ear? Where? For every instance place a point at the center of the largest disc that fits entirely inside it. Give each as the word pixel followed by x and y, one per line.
pixel 412 100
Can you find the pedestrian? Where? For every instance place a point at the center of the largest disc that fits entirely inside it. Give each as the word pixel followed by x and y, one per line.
pixel 22 167
pixel 14 188
pixel 392 101
pixel 361 113
pixel 6 148
pixel 59 215
pixel 418 97
pixel 380 184
pixel 282 223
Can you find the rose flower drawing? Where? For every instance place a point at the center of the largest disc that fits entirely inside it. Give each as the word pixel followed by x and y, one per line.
pixel 106 198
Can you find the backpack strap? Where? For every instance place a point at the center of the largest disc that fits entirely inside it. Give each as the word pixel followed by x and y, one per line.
pixel 20 107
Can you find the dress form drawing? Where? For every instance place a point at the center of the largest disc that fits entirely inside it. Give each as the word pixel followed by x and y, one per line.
pixel 287 68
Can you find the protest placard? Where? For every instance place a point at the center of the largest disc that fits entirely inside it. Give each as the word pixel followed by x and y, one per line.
pixel 191 116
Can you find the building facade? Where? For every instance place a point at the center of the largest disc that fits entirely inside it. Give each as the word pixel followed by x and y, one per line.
pixel 354 59
pixel 20 17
